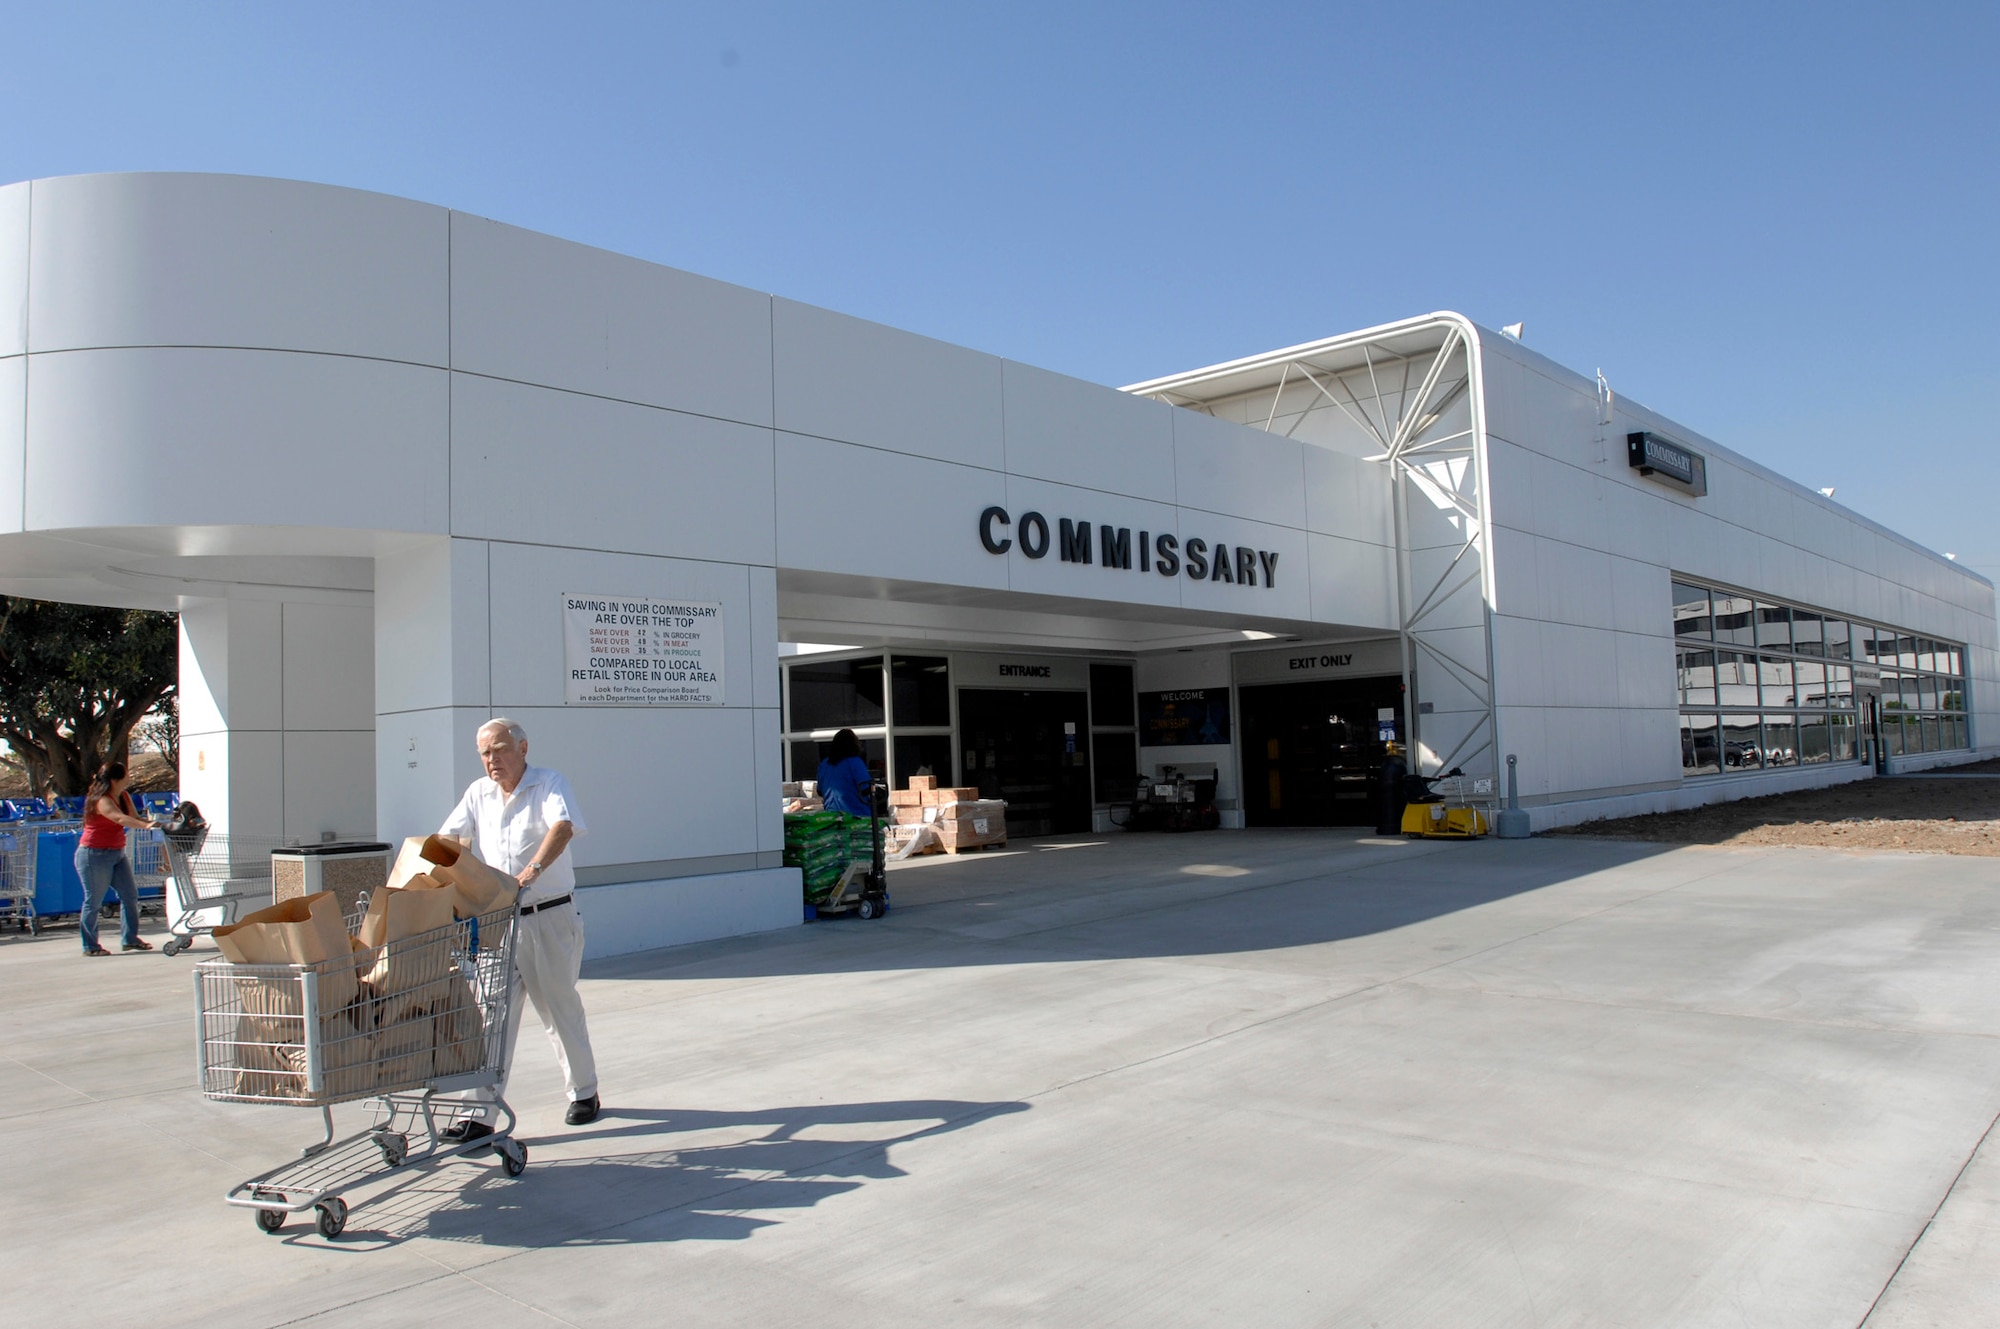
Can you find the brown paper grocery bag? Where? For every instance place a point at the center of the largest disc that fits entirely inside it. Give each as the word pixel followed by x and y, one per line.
pixel 460 1030
pixel 481 887
pixel 395 912
pixel 409 864
pixel 304 930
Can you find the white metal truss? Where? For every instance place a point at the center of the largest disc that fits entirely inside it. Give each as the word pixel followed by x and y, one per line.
pixel 1413 391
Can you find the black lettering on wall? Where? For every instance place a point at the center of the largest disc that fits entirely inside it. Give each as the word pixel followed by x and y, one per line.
pixel 1114 549
pixel 1270 558
pixel 1219 571
pixel 1034 530
pixel 1167 547
pixel 994 544
pixel 1246 566
pixel 1075 541
pixel 1145 551
pixel 1197 560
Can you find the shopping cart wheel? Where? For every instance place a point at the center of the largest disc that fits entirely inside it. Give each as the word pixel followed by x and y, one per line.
pixel 332 1217
pixel 173 945
pixel 395 1147
pixel 513 1156
pixel 270 1219
pixel 867 908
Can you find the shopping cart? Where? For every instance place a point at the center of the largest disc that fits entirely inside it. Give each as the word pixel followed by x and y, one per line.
pixel 428 1015
pixel 209 875
pixel 17 879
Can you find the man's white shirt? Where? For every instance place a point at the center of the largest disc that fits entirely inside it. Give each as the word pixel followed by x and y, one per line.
pixel 505 831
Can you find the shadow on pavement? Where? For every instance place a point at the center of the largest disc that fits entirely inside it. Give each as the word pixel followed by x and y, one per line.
pixel 1137 896
pixel 690 1176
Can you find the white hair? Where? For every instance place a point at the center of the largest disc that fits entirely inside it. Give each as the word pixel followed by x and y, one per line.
pixel 514 730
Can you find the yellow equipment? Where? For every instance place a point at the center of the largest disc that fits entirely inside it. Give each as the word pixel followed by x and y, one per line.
pixel 1447 818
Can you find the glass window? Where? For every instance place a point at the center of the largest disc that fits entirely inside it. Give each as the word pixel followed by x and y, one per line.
pixel 923 754
pixel 806 757
pixel 1691 615
pixel 1892 692
pixel 1833 639
pixel 1927 692
pixel 1111 695
pixel 1952 695
pixel 1892 734
pixel 1840 685
pixel 1781 740
pixel 1742 743
pixel 1735 620
pixel 1774 627
pixel 1735 679
pixel 1840 737
pixel 1927 655
pixel 1776 677
pixel 1957 662
pixel 1700 753
pixel 1959 738
pixel 1114 766
pixel 922 687
pixel 1806 630
pixel 1697 670
pixel 1810 676
pixel 1906 652
pixel 836 694
pixel 1813 745
pixel 1877 646
pixel 802 757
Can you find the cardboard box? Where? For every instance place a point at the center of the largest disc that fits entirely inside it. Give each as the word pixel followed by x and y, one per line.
pixel 906 798
pixel 958 794
pixel 906 816
pixel 923 782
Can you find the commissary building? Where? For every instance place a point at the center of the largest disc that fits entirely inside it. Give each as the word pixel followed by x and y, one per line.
pixel 401 469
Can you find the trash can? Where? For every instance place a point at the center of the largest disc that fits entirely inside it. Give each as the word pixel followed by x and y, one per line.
pixel 348 868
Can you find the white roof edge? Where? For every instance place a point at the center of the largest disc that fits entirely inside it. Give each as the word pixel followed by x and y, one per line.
pixel 1439 318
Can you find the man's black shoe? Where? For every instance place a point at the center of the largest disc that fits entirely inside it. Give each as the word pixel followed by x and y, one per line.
pixel 466 1132
pixel 582 1112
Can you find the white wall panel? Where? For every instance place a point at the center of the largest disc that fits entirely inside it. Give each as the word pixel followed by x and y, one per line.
pixel 1083 434
pixel 1351 583
pixel 14 269
pixel 766 687
pixel 13 438
pixel 424 760
pixel 329 785
pixel 1640 594
pixel 1224 467
pixel 1517 661
pixel 567 469
pixel 537 309
pixel 1347 497
pixel 217 260
pixel 832 496
pixel 226 438
pixel 329 670
pixel 529 581
pixel 653 782
pixel 768 726
pixel 859 382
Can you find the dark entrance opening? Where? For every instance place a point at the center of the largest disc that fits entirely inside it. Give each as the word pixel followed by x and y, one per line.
pixel 1032 749
pixel 1312 752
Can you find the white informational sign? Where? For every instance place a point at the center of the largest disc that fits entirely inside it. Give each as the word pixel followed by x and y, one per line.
pixel 621 651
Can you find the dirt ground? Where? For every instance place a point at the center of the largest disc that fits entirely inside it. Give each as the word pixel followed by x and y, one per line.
pixel 150 774
pixel 1915 814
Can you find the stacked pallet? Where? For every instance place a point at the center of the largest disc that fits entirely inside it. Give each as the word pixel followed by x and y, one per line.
pixel 957 818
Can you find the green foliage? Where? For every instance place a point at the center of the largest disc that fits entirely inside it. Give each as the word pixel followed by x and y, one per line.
pixel 74 682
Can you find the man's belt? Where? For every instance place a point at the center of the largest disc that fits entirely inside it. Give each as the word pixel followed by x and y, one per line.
pixel 527 909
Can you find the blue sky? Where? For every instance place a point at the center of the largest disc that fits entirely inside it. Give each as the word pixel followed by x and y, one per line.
pixel 1774 223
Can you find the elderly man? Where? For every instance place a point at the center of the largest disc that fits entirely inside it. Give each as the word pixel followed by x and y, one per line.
pixel 520 819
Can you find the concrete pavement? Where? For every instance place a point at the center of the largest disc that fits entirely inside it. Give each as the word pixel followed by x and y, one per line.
pixel 1260 1077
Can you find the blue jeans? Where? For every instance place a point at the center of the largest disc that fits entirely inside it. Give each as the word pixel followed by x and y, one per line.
pixel 102 869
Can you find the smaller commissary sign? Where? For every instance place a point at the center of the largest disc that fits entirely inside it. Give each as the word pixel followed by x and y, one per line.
pixel 641 652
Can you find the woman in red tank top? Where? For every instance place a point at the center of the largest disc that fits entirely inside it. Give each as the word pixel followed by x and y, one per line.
pixel 101 860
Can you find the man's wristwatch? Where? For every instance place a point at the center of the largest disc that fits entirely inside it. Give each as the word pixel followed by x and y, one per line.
pixel 536 868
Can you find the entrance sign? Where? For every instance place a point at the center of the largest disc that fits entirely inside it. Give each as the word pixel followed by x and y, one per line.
pixel 627 651
pixel 1663 459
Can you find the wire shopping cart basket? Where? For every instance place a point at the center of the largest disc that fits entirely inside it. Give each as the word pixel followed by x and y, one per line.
pixel 400 1025
pixel 209 875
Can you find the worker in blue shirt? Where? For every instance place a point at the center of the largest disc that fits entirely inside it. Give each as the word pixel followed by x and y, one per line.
pixel 844 777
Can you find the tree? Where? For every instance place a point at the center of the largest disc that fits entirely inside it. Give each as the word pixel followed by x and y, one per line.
pixel 162 729
pixel 75 680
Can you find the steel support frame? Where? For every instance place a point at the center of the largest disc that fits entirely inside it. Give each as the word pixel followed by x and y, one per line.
pixel 1411 392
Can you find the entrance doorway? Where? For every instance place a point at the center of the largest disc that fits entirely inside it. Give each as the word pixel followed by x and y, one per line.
pixel 1312 752
pixel 1032 749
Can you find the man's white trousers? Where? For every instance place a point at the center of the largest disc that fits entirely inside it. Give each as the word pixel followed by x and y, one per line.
pixel 548 953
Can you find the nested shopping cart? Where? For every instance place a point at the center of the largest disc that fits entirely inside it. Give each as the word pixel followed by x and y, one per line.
pixel 397 1027
pixel 208 877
